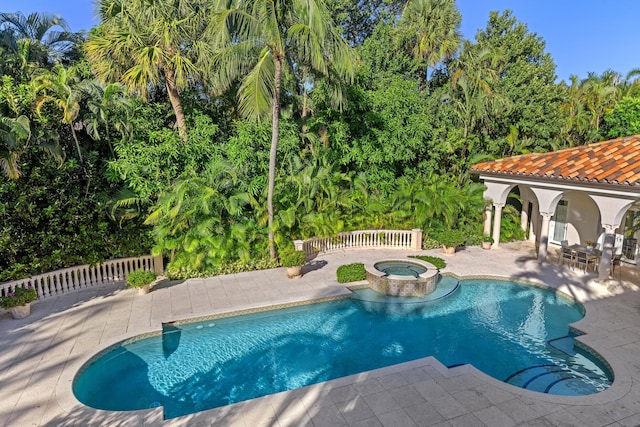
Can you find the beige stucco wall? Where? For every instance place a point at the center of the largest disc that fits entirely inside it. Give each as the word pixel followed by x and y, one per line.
pixel 583 218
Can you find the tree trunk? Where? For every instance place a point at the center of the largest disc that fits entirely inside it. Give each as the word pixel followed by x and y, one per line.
pixel 75 138
pixel 275 127
pixel 174 97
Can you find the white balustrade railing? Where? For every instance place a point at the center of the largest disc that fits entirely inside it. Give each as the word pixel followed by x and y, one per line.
pixel 80 277
pixel 384 239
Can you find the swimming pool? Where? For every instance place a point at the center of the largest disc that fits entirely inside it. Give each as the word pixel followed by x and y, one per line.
pixel 515 333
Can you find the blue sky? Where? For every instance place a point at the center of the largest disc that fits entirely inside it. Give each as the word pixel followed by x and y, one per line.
pixel 581 36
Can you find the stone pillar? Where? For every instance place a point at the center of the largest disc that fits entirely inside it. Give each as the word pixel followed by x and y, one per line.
pixel 496 225
pixel 533 222
pixel 524 215
pixel 487 220
pixel 416 239
pixel 604 269
pixel 158 265
pixel 298 245
pixel 544 236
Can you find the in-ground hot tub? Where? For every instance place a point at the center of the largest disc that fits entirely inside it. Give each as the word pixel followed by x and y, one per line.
pixel 402 277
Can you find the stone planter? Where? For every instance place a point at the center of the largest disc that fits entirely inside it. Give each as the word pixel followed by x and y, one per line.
pixel 486 245
pixel 294 272
pixel 21 311
pixel 449 250
pixel 143 290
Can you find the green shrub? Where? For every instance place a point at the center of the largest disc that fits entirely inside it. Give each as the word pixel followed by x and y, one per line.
pixel 450 238
pixel 180 272
pixel 20 296
pixel 437 262
pixel 140 278
pixel 351 273
pixel 429 242
pixel 293 258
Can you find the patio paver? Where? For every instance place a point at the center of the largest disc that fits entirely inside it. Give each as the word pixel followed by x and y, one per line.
pixel 40 354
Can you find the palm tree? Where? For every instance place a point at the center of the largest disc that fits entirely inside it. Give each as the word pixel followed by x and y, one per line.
pixel 631 84
pixel 14 135
pixel 433 28
pixel 202 219
pixel 472 81
pixel 60 86
pixel 107 108
pixel 259 41
pixel 40 37
pixel 147 44
pixel 472 97
pixel 15 140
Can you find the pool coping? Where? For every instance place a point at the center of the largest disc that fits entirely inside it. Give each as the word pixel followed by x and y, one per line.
pixel 621 385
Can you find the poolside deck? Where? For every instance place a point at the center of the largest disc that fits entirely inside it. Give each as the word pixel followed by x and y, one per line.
pixel 40 354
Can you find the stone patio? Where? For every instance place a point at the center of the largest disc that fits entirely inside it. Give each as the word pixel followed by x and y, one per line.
pixel 41 354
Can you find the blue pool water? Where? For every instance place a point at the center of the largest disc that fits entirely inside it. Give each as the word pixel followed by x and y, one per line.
pixel 400 268
pixel 515 333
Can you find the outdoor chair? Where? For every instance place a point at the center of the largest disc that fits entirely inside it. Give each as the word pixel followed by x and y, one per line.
pixel 615 262
pixel 566 254
pixel 583 258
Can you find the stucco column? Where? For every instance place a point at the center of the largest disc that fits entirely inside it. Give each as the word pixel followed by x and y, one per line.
pixel 158 265
pixel 612 210
pixel 533 222
pixel 544 236
pixel 487 220
pixel 416 239
pixel 604 269
pixel 497 219
pixel 524 215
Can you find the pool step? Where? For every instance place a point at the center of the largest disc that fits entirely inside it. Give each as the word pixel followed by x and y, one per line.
pixel 376 302
pixel 563 344
pixel 570 379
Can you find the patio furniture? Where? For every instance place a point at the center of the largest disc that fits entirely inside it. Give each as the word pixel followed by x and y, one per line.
pixel 616 262
pixel 584 258
pixel 566 254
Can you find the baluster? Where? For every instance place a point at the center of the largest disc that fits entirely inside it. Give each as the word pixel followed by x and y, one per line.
pixel 71 279
pixel 99 273
pixel 116 271
pixel 91 275
pixel 111 272
pixel 59 275
pixel 80 274
pixel 66 286
pixel 74 278
pixel 108 271
pixel 67 283
pixel 39 289
pixel 55 286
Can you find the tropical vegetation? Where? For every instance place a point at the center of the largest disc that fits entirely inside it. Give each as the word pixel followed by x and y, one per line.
pixel 214 133
pixel 19 296
pixel 351 273
pixel 140 278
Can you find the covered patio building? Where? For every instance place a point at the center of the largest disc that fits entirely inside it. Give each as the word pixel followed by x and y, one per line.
pixel 573 195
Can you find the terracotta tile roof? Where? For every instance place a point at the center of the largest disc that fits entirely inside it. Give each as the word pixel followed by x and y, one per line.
pixel 611 162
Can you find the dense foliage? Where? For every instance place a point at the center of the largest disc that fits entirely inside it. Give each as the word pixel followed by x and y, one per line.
pixel 351 273
pixel 140 278
pixel 218 140
pixel 20 296
pixel 436 261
